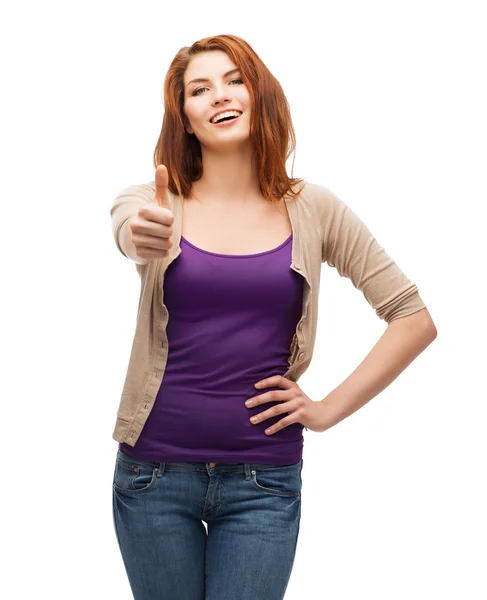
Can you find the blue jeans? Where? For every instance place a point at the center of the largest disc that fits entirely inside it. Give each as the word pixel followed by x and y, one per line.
pixel 252 513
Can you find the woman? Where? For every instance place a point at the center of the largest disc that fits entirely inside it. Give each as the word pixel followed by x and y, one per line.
pixel 229 251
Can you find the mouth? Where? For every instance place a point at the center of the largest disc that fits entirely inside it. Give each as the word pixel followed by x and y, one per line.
pixel 228 120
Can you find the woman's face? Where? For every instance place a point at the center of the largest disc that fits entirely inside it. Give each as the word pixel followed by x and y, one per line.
pixel 221 91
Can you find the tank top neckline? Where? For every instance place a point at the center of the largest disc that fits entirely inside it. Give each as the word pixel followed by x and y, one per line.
pixel 284 243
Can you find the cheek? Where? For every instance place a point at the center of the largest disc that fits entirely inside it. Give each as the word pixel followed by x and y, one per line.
pixel 195 117
pixel 189 109
pixel 245 97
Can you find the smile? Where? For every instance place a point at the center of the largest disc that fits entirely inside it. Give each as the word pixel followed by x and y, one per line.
pixel 228 119
pixel 228 123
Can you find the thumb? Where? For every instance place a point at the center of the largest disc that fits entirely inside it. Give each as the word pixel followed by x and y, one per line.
pixel 162 178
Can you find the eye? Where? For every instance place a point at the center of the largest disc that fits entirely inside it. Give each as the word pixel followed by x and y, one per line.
pixel 195 93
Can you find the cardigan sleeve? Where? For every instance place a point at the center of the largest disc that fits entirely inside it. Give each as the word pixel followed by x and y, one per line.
pixel 126 204
pixel 350 247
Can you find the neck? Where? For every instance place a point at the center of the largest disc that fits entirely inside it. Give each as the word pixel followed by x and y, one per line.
pixel 228 178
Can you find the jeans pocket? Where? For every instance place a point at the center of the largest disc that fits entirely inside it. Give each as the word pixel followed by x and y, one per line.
pixel 133 476
pixel 278 480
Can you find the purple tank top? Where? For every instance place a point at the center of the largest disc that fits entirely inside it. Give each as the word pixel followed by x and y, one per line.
pixel 232 319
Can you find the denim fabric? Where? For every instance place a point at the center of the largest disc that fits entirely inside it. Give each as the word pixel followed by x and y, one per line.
pixel 252 513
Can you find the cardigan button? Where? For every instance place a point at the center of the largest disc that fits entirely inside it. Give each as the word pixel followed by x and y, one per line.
pixel 301 356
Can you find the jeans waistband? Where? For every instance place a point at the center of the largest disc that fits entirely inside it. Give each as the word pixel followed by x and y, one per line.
pixel 202 466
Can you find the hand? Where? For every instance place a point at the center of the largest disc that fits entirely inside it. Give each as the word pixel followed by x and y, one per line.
pixel 294 401
pixel 152 227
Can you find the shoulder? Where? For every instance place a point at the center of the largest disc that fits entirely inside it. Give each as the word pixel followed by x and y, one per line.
pixel 144 190
pixel 320 197
pixel 140 193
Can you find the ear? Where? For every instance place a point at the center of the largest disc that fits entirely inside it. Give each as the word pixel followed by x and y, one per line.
pixel 188 127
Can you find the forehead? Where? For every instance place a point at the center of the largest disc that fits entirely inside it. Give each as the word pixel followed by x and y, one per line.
pixel 208 64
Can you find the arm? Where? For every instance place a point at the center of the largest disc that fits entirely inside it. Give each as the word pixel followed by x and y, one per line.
pixel 403 340
pixel 350 247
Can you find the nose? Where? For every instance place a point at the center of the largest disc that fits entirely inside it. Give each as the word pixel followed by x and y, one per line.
pixel 221 97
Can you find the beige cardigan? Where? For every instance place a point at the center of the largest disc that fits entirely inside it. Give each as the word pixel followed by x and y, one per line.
pixel 324 229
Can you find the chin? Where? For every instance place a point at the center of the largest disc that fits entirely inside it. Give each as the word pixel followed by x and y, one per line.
pixel 227 142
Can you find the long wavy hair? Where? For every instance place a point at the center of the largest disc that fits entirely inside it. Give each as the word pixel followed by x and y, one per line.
pixel 271 129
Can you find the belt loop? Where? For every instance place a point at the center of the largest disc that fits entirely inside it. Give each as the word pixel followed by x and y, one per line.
pixel 160 469
pixel 247 471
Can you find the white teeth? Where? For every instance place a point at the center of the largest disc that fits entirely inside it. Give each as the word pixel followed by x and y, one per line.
pixel 229 113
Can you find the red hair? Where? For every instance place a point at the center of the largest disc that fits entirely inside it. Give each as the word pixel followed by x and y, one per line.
pixel 271 129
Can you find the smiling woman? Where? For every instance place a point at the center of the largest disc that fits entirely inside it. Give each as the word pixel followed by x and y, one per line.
pixel 216 75
pixel 235 306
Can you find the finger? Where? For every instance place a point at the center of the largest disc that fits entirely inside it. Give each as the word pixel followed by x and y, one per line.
pixel 280 425
pixel 275 380
pixel 284 422
pixel 162 192
pixel 272 396
pixel 277 409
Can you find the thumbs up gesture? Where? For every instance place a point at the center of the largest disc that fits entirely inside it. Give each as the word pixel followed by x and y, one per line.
pixel 152 227
pixel 162 187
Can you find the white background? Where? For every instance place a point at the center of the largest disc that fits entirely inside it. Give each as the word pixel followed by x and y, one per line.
pixel 388 100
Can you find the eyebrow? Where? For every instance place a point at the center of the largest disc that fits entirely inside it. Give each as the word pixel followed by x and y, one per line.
pixel 203 80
